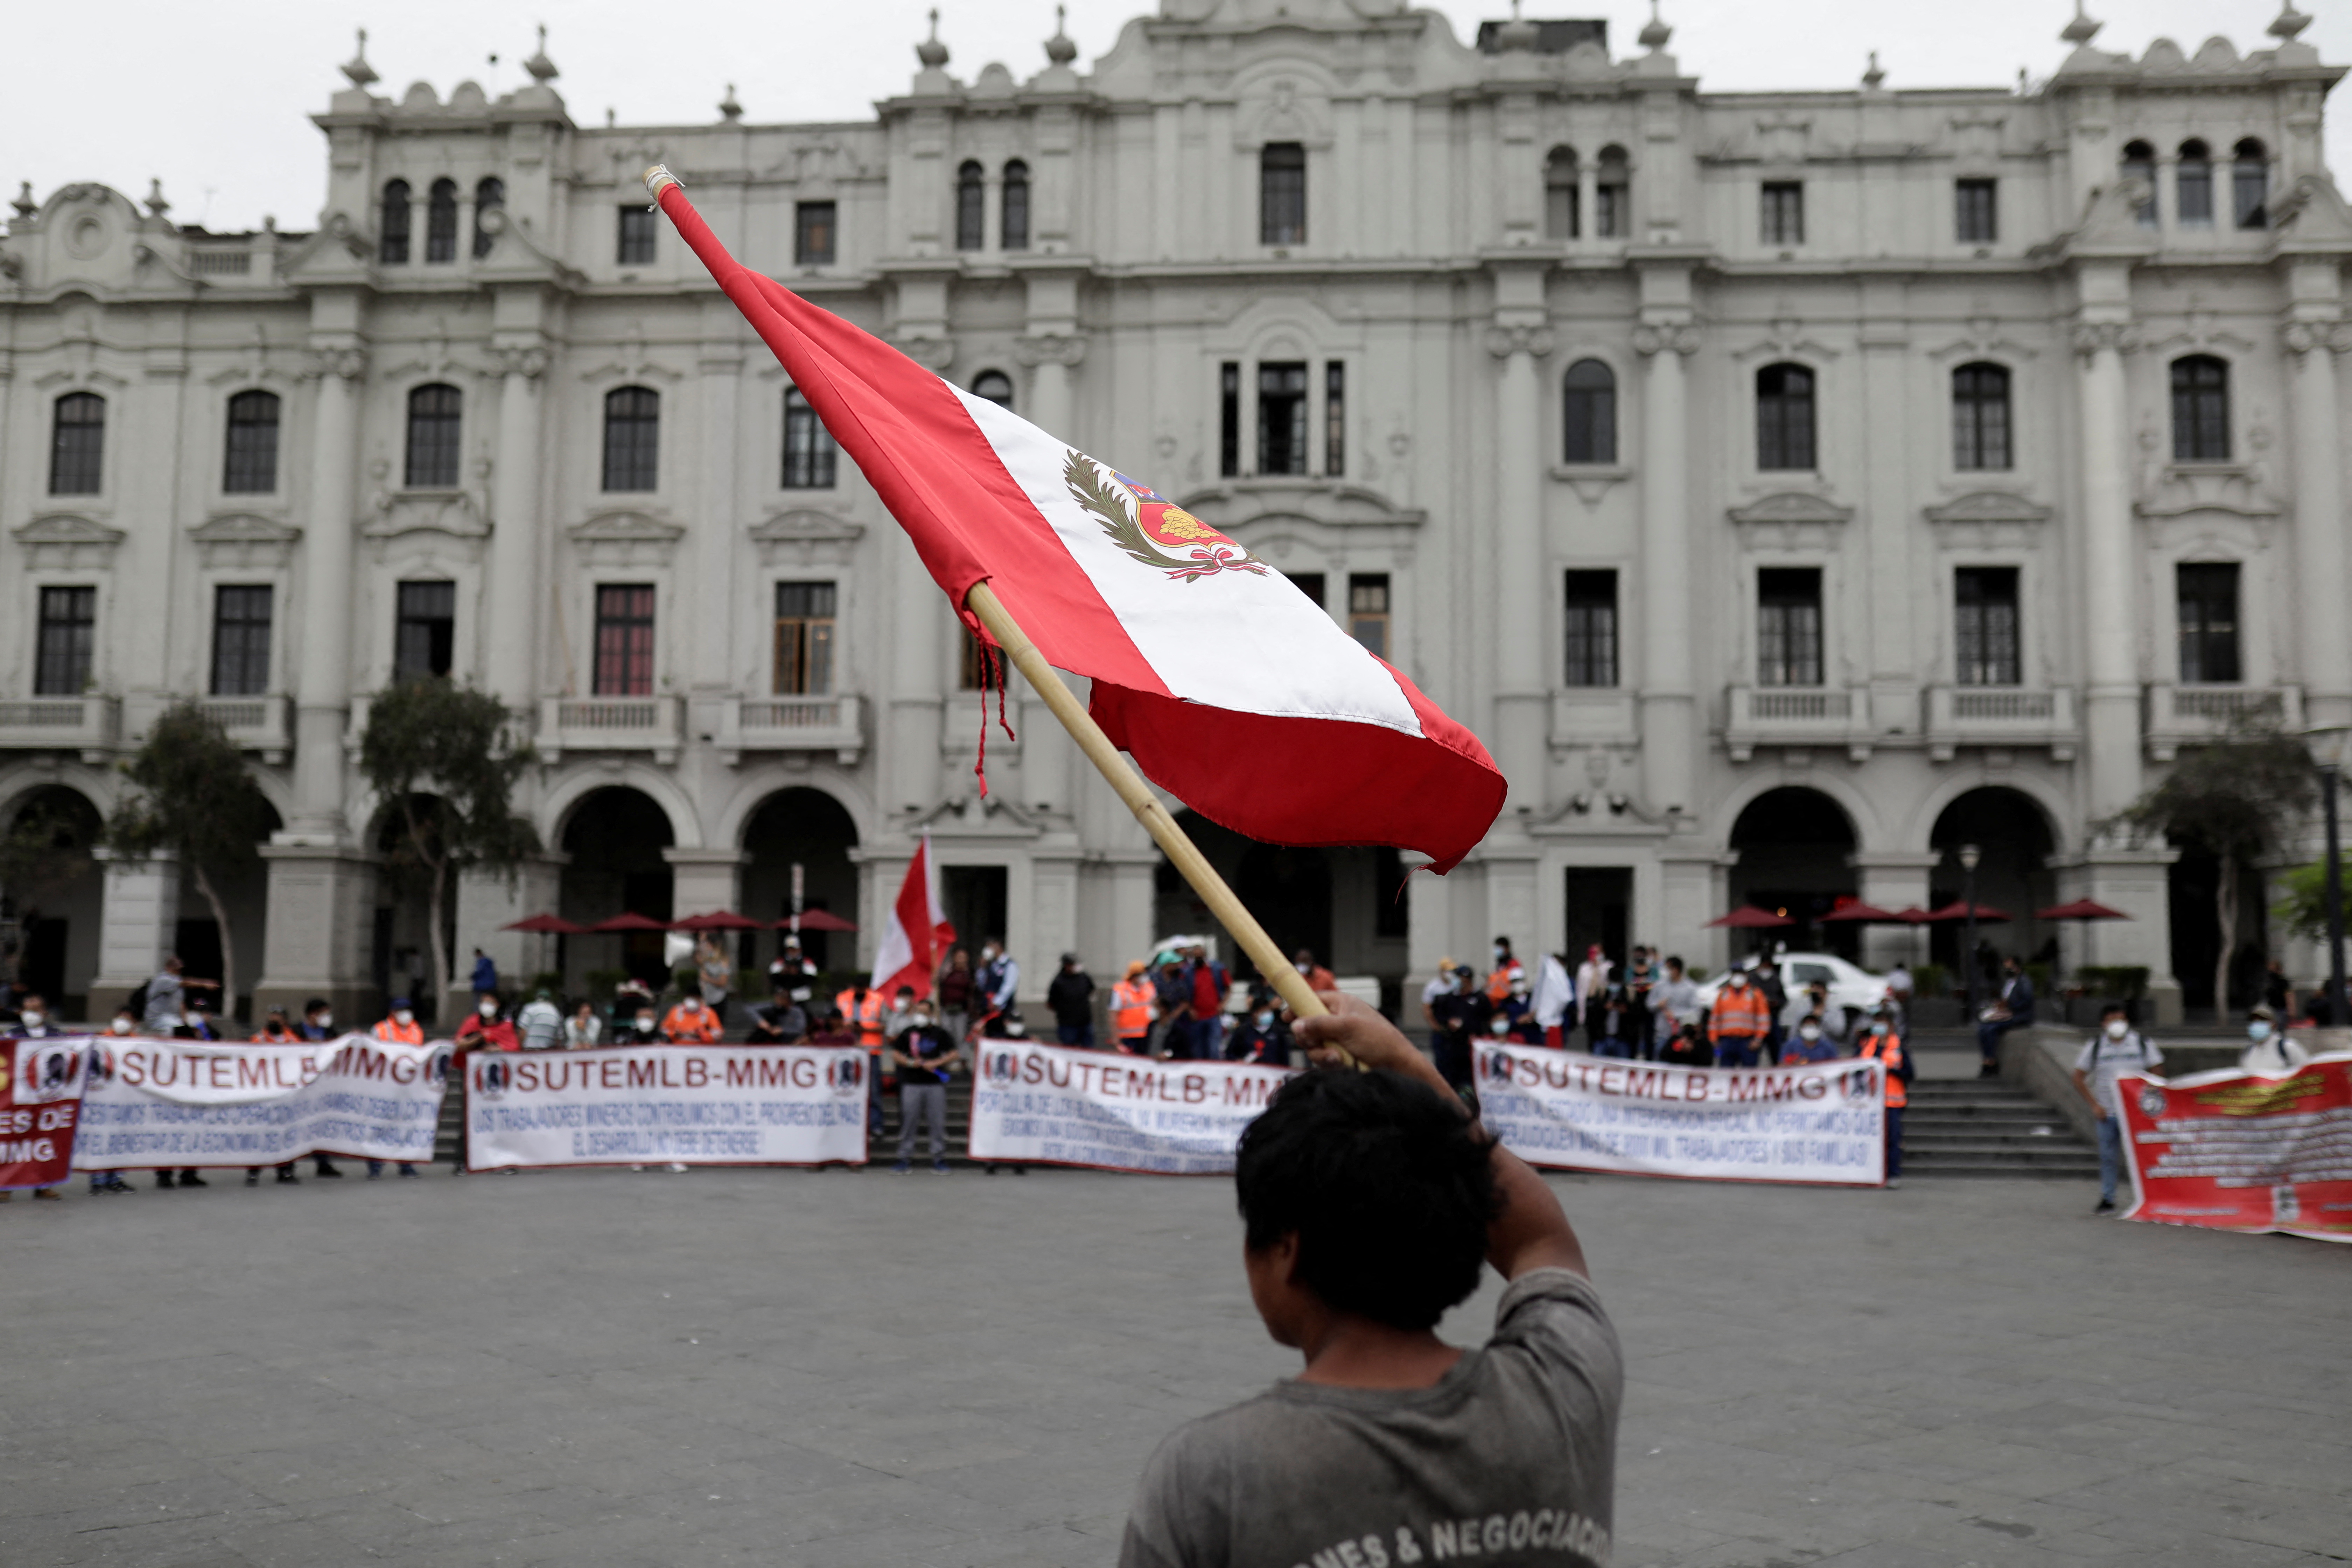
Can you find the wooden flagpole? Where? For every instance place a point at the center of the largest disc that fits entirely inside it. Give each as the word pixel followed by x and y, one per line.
pixel 1181 852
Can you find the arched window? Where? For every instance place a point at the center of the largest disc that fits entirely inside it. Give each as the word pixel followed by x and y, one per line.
pixel 631 439
pixel 78 445
pixel 2250 181
pixel 433 428
pixel 1980 416
pixel 250 464
pixel 441 222
pixel 489 198
pixel 1612 197
pixel 2192 186
pixel 2201 410
pixel 995 386
pixel 392 243
pixel 1589 405
pixel 2140 163
pixel 1013 234
pixel 1784 417
pixel 1282 193
pixel 1560 194
pixel 809 449
pixel 972 207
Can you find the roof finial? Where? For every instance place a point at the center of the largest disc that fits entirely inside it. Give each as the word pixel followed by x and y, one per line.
pixel 932 53
pixel 1873 76
pixel 25 205
pixel 1059 48
pixel 728 108
pixel 543 69
pixel 357 69
pixel 2081 30
pixel 1519 33
pixel 156 205
pixel 1653 36
pixel 2288 23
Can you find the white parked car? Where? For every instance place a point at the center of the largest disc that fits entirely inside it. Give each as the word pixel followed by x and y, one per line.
pixel 1855 990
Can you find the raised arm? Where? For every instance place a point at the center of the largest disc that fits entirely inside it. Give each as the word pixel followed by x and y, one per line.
pixel 1532 1231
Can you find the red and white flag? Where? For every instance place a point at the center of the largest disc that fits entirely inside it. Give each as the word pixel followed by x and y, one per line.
pixel 1231 688
pixel 919 932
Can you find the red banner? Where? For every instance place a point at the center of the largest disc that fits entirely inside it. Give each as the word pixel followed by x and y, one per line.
pixel 2234 1151
pixel 39 1107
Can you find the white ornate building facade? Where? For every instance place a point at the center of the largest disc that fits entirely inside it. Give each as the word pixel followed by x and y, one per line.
pixel 1788 487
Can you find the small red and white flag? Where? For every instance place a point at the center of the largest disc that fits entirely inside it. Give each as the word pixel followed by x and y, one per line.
pixel 1231 688
pixel 919 934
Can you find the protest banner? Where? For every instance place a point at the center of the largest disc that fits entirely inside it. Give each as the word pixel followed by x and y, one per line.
pixel 2236 1151
pixel 166 1104
pixel 695 1105
pixel 39 1107
pixel 1049 1105
pixel 1822 1124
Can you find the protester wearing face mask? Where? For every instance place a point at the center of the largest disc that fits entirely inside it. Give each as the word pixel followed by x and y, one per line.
pixel 1438 988
pixel 319 1024
pixel 1741 1022
pixel 33 1023
pixel 1318 979
pixel 2116 1050
pixel 1506 969
pixel 401 1030
pixel 1881 1043
pixel 1264 1038
pixel 1517 1014
pixel 645 1030
pixel 923 1053
pixel 1463 1015
pixel 1811 1042
pixel 486 1027
pixel 690 1023
pixel 2269 1050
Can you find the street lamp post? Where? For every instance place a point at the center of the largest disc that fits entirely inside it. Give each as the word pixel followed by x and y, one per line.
pixel 1970 855
pixel 2326 742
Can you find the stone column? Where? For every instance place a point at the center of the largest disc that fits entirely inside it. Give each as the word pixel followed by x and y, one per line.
pixel 1894 880
pixel 488 901
pixel 320 929
pixel 2325 649
pixel 136 924
pixel 1052 356
pixel 1668 697
pixel 702 881
pixel 322 690
pixel 2110 572
pixel 1521 724
pixel 719 527
pixel 516 585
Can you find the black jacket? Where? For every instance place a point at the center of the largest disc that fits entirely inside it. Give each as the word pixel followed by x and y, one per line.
pixel 1071 996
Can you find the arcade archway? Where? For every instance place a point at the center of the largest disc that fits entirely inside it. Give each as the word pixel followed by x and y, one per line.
pixel 1795 848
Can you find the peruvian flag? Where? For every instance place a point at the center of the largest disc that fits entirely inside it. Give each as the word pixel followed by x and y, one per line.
pixel 919 932
pixel 1231 688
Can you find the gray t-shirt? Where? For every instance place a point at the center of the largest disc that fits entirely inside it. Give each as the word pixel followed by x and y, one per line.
pixel 2106 1061
pixel 1510 1457
pixel 166 999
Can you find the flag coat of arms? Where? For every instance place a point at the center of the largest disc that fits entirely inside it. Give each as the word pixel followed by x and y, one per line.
pixel 1230 688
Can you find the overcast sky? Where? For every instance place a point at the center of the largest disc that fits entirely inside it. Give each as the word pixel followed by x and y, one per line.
pixel 212 98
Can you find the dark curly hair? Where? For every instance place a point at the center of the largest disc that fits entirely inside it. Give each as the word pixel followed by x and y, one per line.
pixel 1386 1184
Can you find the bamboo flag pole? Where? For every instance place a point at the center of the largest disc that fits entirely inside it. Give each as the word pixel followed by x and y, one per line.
pixel 1128 784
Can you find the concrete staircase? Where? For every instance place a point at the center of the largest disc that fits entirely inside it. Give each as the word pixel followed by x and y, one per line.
pixel 1988 1127
pixel 882 1151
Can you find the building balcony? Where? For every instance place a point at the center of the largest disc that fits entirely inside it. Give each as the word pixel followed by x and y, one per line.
pixel 2005 716
pixel 2181 716
pixel 90 724
pixel 609 724
pixel 263 724
pixel 834 724
pixel 1798 717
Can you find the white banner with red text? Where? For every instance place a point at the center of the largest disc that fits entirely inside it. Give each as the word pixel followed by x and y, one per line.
pixel 40 1108
pixel 165 1104
pixel 2239 1151
pixel 1823 1122
pixel 694 1105
pixel 1050 1105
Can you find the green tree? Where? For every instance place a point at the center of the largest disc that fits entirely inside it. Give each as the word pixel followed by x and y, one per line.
pixel 2303 906
pixel 194 797
pixel 439 754
pixel 45 848
pixel 2238 797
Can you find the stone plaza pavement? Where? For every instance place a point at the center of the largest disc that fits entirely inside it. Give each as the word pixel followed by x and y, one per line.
pixel 603 1370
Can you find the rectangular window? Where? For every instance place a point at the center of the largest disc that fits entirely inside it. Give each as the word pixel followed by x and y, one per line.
pixel 636 247
pixel 250 461
pixel 1368 611
pixel 1229 419
pixel 1789 625
pixel 241 641
pixel 78 445
pixel 1984 626
pixel 1282 193
pixel 1784 212
pixel 625 640
pixel 1976 220
pixel 69 624
pixel 1590 622
pixel 1559 207
pixel 1309 584
pixel 427 632
pixel 1335 419
pixel 1282 418
pixel 805 639
pixel 811 454
pixel 812 234
pixel 2209 624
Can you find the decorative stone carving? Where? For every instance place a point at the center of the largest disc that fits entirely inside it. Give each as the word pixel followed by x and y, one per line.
pixel 933 354
pixel 625 539
pixel 397 512
pixel 1051 348
pixel 350 363
pixel 2091 337
pixel 1535 341
pixel 530 362
pixel 1656 337
pixel 1988 520
pixel 1790 520
pixel 66 542
pixel 803 536
pixel 242 542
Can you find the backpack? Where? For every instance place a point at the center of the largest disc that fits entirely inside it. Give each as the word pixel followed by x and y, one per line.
pixel 137 1001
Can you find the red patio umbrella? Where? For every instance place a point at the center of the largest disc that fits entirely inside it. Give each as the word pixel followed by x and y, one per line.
pixel 717 919
pixel 818 920
pixel 628 922
pixel 547 925
pixel 1749 918
pixel 1958 911
pixel 1856 910
pixel 2080 910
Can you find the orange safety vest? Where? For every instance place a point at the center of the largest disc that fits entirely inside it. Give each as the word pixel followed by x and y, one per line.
pixel 867 1016
pixel 1130 1007
pixel 699 1027
pixel 408 1034
pixel 1498 985
pixel 1889 1050
pixel 1739 1010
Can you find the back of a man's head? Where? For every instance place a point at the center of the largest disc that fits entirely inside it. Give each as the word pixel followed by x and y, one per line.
pixel 1387 1186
